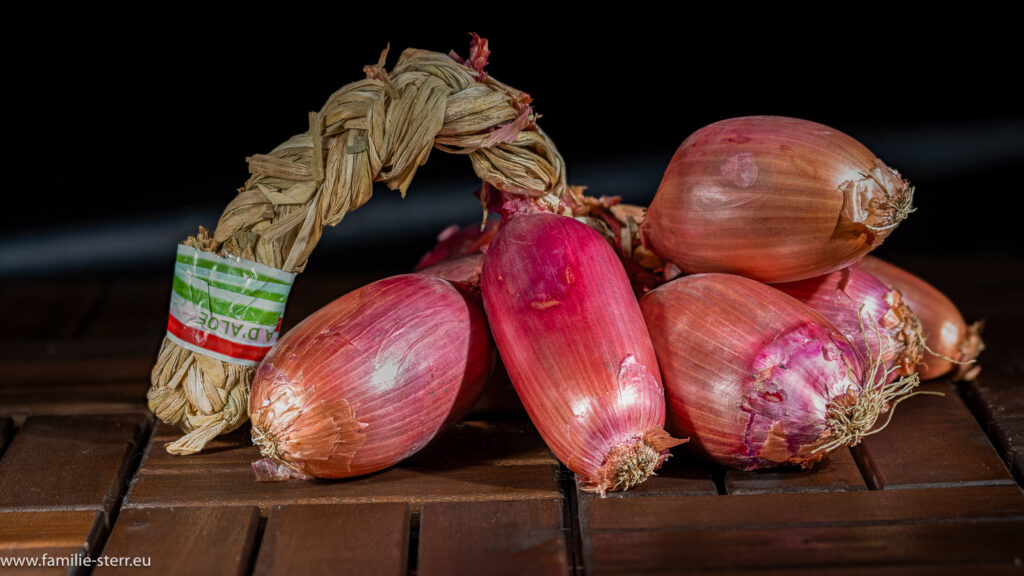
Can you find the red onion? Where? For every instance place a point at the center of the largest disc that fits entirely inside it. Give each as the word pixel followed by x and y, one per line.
pixel 774 199
pixel 948 337
pixel 573 339
pixel 758 378
pixel 872 316
pixel 369 379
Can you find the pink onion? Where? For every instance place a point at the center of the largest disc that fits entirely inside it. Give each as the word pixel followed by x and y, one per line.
pixel 946 334
pixel 759 379
pixel 873 317
pixel 573 339
pixel 369 379
pixel 774 199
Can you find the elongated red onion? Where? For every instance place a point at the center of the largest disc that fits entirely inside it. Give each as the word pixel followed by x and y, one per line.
pixel 369 379
pixel 946 334
pixel 759 379
pixel 774 199
pixel 872 316
pixel 574 342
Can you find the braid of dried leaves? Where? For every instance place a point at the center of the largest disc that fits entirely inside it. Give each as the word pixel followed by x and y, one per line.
pixel 380 129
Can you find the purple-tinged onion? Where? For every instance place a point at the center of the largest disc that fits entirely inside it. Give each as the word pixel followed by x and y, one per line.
pixel 759 379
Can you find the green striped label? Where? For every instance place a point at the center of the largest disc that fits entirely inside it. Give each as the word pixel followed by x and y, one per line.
pixel 226 307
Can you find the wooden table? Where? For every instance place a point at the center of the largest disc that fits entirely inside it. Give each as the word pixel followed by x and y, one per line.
pixel 83 471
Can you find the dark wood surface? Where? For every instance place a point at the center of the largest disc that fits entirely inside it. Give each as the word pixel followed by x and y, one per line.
pixel 492 537
pixel 370 539
pixel 83 471
pixel 213 540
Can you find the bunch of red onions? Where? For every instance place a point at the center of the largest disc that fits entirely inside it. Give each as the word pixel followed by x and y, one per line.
pixel 758 375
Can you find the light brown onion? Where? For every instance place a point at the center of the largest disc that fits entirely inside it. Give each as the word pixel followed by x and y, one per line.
pixel 369 379
pixel 775 199
pixel 574 343
pixel 946 334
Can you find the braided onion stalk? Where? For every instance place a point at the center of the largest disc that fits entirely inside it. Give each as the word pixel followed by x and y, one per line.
pixel 379 129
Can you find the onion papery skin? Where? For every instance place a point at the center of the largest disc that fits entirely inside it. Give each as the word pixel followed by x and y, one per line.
pixel 772 198
pixel 573 340
pixel 943 326
pixel 872 316
pixel 369 379
pixel 750 372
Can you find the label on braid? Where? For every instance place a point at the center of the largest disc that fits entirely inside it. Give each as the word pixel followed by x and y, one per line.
pixel 226 307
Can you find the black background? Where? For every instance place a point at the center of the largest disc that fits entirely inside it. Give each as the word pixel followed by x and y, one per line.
pixel 123 138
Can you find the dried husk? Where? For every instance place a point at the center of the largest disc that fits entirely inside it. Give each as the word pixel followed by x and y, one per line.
pixel 380 129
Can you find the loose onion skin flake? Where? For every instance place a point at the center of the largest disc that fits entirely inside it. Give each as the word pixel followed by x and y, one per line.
pixel 872 316
pixel 946 334
pixel 759 379
pixel 574 343
pixel 775 199
pixel 369 379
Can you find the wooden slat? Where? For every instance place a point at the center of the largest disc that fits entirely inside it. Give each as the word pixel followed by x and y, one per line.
pixel 65 462
pixel 876 570
pixel 200 540
pixel 1008 434
pixel 836 473
pixel 474 461
pixel 518 537
pixel 984 542
pixel 49 538
pixel 931 441
pixel 370 539
pixel 56 530
pixel 924 526
pixel 472 442
pixel 46 309
pixel 70 398
pixel 416 486
pixel 681 475
pixel 996 395
pixel 679 513
pixel 113 360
